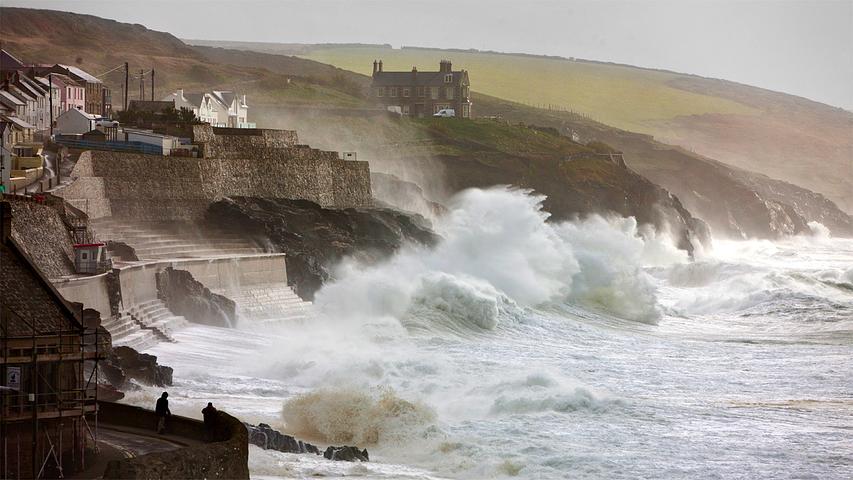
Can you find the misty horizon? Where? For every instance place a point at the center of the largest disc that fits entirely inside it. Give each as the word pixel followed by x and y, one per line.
pixel 795 47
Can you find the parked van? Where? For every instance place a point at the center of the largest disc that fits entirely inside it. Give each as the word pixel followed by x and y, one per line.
pixel 445 112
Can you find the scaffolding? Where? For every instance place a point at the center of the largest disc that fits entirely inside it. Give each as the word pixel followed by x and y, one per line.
pixel 52 396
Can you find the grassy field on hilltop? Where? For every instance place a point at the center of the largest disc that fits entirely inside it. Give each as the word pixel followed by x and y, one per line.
pixel 625 97
pixel 782 136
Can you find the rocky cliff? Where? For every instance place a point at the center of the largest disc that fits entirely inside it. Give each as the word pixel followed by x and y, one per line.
pixel 734 202
pixel 316 238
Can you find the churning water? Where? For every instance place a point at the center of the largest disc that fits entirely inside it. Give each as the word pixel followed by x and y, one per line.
pixel 522 348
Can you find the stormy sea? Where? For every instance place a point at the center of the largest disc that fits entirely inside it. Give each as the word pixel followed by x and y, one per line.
pixel 523 348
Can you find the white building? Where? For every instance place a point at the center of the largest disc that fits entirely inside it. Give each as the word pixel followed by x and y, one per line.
pixel 221 108
pixel 75 122
pixel 166 142
pixel 237 109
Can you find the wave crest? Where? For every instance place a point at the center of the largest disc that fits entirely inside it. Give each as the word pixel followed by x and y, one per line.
pixel 353 416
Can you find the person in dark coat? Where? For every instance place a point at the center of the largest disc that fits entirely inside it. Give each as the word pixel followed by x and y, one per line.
pixel 209 414
pixel 162 411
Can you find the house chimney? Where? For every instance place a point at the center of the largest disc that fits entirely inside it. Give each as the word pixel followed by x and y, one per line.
pixel 180 94
pixel 414 73
pixel 5 222
pixel 444 66
pixel 380 65
pixel 375 66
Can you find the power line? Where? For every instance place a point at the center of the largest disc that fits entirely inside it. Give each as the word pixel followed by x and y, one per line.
pixel 109 71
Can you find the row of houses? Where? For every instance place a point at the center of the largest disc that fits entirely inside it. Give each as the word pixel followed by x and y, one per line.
pixel 32 98
pixel 220 108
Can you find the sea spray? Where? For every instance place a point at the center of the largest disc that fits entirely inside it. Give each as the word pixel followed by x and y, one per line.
pixel 352 416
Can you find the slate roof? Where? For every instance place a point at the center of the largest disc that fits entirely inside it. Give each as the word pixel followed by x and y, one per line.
pixel 429 79
pixel 17 121
pixel 65 79
pixel 28 299
pixel 82 74
pixel 194 98
pixel 226 98
pixel 8 98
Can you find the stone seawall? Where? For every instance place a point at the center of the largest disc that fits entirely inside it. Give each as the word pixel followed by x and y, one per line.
pixel 138 283
pixel 157 188
pixel 225 457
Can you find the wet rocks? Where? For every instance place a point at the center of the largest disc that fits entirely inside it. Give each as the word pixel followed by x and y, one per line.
pixel 265 437
pixel 122 250
pixel 315 239
pixel 186 296
pixel 346 454
pixel 125 363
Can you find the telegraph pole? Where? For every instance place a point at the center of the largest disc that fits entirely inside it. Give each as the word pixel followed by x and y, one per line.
pixel 152 84
pixel 126 78
pixel 50 95
pixel 141 85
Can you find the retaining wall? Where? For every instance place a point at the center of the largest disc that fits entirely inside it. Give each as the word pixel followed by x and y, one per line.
pixel 157 188
pixel 138 283
pixel 225 457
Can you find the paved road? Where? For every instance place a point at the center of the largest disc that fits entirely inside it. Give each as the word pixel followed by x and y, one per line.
pixel 116 443
pixel 134 442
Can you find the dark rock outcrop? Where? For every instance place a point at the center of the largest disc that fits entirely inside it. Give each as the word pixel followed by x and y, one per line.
pixel 346 454
pixel 125 363
pixel 316 238
pixel 186 296
pixel 734 202
pixel 265 437
pixel 123 250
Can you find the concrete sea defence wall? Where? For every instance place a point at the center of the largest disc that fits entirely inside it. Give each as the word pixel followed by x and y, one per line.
pixel 225 457
pixel 138 283
pixel 260 163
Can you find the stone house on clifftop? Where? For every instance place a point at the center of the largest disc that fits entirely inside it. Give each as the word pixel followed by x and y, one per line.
pixel 421 94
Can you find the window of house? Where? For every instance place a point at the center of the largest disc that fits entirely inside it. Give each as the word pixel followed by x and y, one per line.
pixel 448 93
pixel 380 91
pixel 448 78
pixel 405 92
pixel 393 91
pixel 421 91
pixel 465 92
pixel 84 255
pixel 433 93
pixel 405 109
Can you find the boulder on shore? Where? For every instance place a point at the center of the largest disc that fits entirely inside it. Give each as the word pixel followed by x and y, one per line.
pixel 346 454
pixel 125 363
pixel 265 437
pixel 186 296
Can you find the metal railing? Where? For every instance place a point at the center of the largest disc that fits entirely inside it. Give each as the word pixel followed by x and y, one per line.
pixel 110 145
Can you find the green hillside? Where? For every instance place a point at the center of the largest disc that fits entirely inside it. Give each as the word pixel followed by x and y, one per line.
pixel 625 97
pixel 782 136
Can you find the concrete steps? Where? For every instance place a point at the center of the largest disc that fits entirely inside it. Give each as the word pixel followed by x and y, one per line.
pixel 272 302
pixel 154 315
pixel 125 331
pixel 158 241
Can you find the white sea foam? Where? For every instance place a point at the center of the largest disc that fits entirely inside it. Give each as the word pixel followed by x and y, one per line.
pixel 522 347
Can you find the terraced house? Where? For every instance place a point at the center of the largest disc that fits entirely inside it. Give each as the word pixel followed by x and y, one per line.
pixel 420 94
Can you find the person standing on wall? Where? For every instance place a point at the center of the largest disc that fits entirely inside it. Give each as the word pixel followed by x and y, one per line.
pixel 209 414
pixel 162 411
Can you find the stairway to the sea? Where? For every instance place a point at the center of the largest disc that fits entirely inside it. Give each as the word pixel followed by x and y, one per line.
pixel 161 241
pixel 146 320
pixel 125 331
pixel 272 302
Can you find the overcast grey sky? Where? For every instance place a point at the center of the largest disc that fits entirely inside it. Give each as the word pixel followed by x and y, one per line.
pixel 804 47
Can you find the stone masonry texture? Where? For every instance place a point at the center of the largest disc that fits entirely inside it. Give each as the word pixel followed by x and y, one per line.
pixel 259 163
